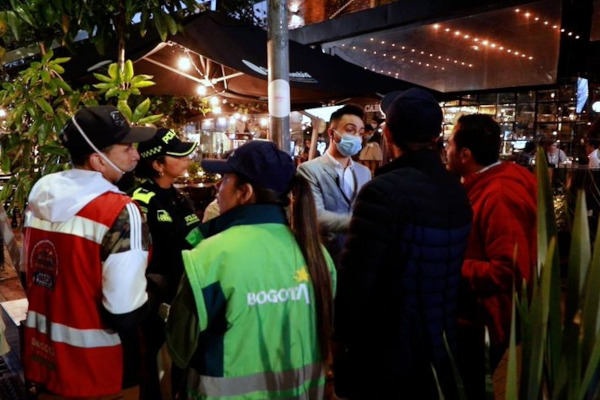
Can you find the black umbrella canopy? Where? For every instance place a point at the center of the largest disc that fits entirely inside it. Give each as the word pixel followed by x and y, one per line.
pixel 230 58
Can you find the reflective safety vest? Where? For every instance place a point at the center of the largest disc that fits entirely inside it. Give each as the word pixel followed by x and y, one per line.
pixel 256 310
pixel 67 347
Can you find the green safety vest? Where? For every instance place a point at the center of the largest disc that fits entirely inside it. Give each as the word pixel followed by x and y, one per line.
pixel 255 303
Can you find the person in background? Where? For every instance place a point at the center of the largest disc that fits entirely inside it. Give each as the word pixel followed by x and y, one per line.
pixel 86 251
pixel 335 179
pixel 525 157
pixel 591 147
pixel 556 157
pixel 253 314
pixel 171 219
pixel 370 155
pixel 398 281
pixel 306 151
pixel 212 209
pixel 502 245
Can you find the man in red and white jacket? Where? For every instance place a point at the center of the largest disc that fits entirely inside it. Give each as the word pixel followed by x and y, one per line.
pixel 86 252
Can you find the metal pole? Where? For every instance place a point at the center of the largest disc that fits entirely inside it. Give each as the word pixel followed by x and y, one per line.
pixel 279 66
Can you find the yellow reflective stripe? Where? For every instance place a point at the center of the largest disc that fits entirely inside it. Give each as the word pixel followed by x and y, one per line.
pixel 143 195
pixel 77 226
pixel 86 338
pixel 211 386
pixel 186 153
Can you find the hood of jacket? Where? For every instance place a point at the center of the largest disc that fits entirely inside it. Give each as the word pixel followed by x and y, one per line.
pixel 58 197
pixel 507 176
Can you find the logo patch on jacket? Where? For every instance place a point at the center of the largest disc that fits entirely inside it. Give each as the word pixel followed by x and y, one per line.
pixel 301 275
pixel 283 295
pixel 163 216
pixel 44 264
pixel 191 219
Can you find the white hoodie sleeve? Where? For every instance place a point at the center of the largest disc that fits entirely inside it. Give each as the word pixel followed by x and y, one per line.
pixel 123 271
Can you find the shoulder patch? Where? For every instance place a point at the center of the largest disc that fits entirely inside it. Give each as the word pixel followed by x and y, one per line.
pixel 143 195
pixel 163 216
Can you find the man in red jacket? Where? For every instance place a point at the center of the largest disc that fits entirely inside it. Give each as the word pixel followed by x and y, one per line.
pixel 502 246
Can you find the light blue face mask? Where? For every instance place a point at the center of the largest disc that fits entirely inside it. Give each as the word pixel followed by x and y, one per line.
pixel 349 145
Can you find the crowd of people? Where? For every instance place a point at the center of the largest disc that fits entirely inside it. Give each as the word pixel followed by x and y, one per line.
pixel 330 279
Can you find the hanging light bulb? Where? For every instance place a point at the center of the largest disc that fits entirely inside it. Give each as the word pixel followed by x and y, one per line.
pixel 214 100
pixel 201 90
pixel 184 63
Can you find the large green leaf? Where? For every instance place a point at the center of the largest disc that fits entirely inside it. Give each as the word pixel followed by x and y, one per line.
pixel 512 388
pixel 161 27
pixel 545 218
pixel 591 371
pixel 44 105
pixel 140 110
pixel 591 306
pixel 103 78
pixel 128 72
pixel 14 24
pixel 150 119
pixel 125 109
pixel 579 258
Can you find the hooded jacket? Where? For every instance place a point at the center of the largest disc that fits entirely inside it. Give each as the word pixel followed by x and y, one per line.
pixel 85 257
pixel 502 246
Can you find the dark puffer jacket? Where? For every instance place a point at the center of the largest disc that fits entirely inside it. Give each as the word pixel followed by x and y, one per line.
pixel 399 281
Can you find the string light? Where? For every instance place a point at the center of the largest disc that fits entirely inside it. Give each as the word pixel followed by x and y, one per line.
pixel 537 18
pixel 484 42
pixel 184 63
pixel 418 52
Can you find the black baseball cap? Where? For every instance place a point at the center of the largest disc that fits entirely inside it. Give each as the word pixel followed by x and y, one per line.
pixel 412 116
pixel 103 126
pixel 260 162
pixel 165 142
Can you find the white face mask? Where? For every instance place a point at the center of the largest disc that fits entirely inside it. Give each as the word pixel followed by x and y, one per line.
pixel 101 154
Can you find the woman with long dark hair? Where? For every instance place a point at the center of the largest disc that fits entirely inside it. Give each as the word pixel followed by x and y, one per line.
pixel 253 314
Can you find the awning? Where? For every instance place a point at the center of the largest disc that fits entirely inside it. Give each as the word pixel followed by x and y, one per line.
pixel 463 46
pixel 232 58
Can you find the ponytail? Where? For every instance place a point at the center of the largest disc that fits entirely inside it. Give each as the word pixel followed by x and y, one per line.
pixel 303 222
pixel 304 225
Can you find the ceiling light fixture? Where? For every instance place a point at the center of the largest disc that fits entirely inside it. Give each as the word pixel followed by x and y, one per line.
pixel 184 63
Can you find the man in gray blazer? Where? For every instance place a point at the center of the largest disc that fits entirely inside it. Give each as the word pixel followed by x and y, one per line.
pixel 336 179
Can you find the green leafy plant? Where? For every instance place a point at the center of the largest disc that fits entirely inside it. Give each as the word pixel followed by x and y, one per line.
pixel 560 347
pixel 42 21
pixel 122 83
pixel 39 103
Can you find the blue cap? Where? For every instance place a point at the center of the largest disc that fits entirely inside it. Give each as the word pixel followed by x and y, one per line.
pixel 260 162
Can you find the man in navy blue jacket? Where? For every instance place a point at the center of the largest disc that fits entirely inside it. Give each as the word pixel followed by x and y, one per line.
pixel 400 271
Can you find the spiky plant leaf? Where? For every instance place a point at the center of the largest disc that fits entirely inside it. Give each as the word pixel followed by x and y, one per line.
pixel 512 389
